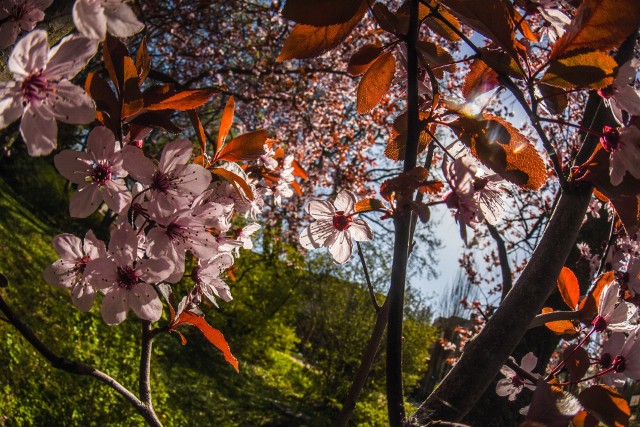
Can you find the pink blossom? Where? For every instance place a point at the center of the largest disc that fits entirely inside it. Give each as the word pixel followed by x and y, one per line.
pixel 511 385
pixel 626 361
pixel 334 226
pixel 41 92
pixel 93 18
pixel 208 277
pixel 173 183
pixel 70 271
pixel 555 24
pixel 624 146
pixel 613 312
pixel 127 280
pixel 98 173
pixel 461 198
pixel 17 15
pixel 610 349
pixel 621 95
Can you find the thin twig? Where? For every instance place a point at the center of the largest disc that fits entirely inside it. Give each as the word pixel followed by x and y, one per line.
pixel 372 292
pixel 145 363
pixel 507 282
pixel 612 238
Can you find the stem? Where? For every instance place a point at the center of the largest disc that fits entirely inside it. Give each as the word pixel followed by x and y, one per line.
pixel 563 123
pixel 564 360
pixel 372 293
pixel 612 239
pixel 145 363
pixel 401 249
pixel 507 282
pixel 78 368
pixel 365 366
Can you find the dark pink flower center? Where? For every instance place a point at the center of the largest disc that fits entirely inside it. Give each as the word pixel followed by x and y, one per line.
pixel 35 87
pixel 17 10
pixel 599 324
pixel 480 183
pixel 618 364
pixel 610 138
pixel 174 231
pixel 341 221
pixel 516 381
pixel 607 92
pixel 605 360
pixel 161 182
pixel 101 173
pixel 451 199
pixel 127 277
pixel 81 265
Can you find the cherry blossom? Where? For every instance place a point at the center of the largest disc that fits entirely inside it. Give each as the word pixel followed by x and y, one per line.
pixel 17 15
pixel 70 271
pixel 126 280
pixel 511 385
pixel 555 24
pixel 207 276
pixel 613 312
pixel 461 198
pixel 93 18
pixel 334 226
pixel 41 92
pixel 626 362
pixel 173 183
pixel 98 173
pixel 620 95
pixel 624 146
pixel 610 349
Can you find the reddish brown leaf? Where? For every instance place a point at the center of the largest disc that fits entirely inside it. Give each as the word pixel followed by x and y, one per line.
pixel 113 53
pixel 299 171
pixel 239 184
pixel 202 137
pixel 296 187
pixel 438 27
pixel 306 41
pixel 363 58
pixel 248 146
pixel 143 61
pixel 213 335
pixel 480 79
pixel 394 23
pixel 181 101
pixel 492 18
pixel 564 328
pixel 569 287
pixel 431 187
pixel 606 404
pixel 588 307
pixel 155 119
pixel 624 197
pixel 555 99
pixel 432 55
pixel 132 101
pixel 321 13
pixel 368 205
pixel 581 69
pixel 551 407
pixel 585 419
pixel 397 145
pixel 107 105
pixel 576 361
pixel 225 122
pixel 501 147
pixel 376 82
pixel 599 25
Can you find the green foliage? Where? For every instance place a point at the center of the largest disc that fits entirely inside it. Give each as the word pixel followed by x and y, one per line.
pixel 298 327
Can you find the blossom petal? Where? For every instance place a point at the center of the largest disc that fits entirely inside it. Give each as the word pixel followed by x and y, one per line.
pixel 124 245
pixel 72 165
pixel 83 295
pixel 144 301
pixel 85 201
pixel 38 131
pixel 345 201
pixel 69 56
pixel 139 166
pixel 68 247
pixel 341 247
pixel 116 195
pixel 529 362
pixel 155 270
pixel 72 105
pixel 115 306
pixel 9 31
pixel 61 274
pixel 121 21
pixel 360 231
pixel 101 143
pixel 175 153
pixel 89 19
pixel 320 209
pixel 29 54
pixel 10 103
pixel 93 247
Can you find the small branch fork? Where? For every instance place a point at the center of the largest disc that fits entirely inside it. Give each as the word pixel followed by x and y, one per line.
pixel 142 405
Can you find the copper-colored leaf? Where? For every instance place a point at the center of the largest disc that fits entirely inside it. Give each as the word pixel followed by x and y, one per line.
pixel 225 122
pixel 606 404
pixel 441 29
pixel 376 82
pixel 577 361
pixel 397 145
pixel 181 101
pixel 362 59
pixel 113 53
pixel 245 147
pixel 306 41
pixel 551 407
pixel 564 328
pixel 555 99
pixel 143 61
pixel 213 335
pixel 395 23
pixel 239 184
pixel 433 55
pixel 368 205
pixel 492 18
pixel 107 105
pixel 588 307
pixel 155 119
pixel 569 287
pixel 585 419
pixel 202 137
pixel 131 96
pixel 501 147
pixel 625 197
pixel 431 187
pixel 480 79
pixel 599 25
pixel 581 69
pixel 299 171
pixel 320 13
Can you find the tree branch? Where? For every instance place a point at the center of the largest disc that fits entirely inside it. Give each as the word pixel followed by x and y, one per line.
pixel 372 292
pixel 78 368
pixel 507 283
